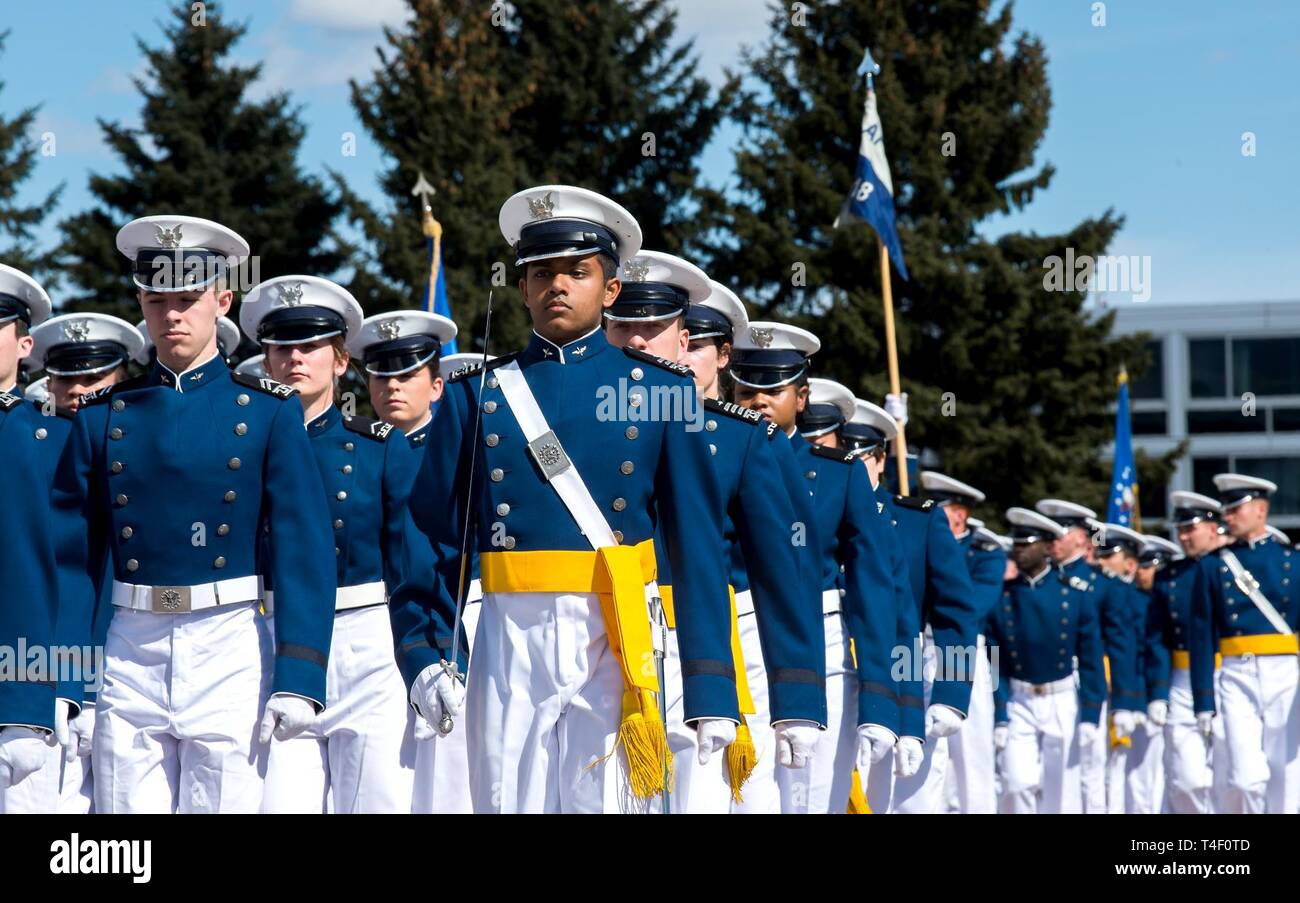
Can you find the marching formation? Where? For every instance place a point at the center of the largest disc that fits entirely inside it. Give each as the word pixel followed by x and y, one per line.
pixel 577 577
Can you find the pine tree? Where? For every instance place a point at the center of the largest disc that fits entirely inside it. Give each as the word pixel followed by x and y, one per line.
pixel 1010 384
pixel 19 153
pixel 487 100
pixel 203 149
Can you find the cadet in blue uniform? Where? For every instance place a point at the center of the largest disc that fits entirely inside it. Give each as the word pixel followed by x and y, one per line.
pixel 1117 549
pixel 174 475
pixel 1119 633
pixel 1245 608
pixel 1044 619
pixel 26 554
pixel 867 433
pixel 575 460
pixel 1194 768
pixel 401 352
pixel 758 522
pixel 947 610
pixel 80 353
pixel 783 646
pixel 970 750
pixel 359 754
pixel 770 370
pixel 1145 781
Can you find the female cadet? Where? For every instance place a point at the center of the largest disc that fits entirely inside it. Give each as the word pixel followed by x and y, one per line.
pixel 359 755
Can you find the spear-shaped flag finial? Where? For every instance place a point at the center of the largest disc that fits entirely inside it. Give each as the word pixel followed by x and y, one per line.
pixel 423 190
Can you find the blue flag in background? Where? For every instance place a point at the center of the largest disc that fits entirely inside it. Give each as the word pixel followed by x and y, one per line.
pixel 1122 508
pixel 872 198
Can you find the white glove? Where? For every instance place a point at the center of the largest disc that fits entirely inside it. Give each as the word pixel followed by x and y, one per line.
pixel 73 734
pixel 1001 734
pixel 713 735
pixel 286 717
pixel 1205 724
pixel 942 721
pixel 22 753
pixel 795 742
pixel 896 407
pixel 874 743
pixel 1124 723
pixel 1088 734
pixel 907 756
pixel 1158 712
pixel 435 692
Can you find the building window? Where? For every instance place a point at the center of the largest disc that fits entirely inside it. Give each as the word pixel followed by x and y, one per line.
pixel 1286 420
pixel 1203 471
pixel 1209 368
pixel 1285 472
pixel 1152 501
pixel 1150 423
pixel 1266 366
pixel 1231 420
pixel 1151 384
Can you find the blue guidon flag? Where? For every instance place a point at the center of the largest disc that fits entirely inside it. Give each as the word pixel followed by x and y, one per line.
pixel 1122 508
pixel 872 198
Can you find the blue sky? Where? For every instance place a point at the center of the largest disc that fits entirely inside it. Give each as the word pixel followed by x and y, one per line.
pixel 1148 113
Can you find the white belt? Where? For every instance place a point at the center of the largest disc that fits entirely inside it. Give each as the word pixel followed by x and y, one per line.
pixel 360 595
pixel 1024 688
pixel 171 600
pixel 831 601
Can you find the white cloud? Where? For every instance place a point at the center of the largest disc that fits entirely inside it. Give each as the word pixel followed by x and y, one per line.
pixel 349 15
pixel 719 48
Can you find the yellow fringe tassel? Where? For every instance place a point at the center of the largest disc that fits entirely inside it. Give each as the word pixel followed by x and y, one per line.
pixel 645 744
pixel 742 756
pixel 857 799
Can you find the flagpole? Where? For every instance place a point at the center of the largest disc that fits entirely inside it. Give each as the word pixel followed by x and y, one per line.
pixel 891 350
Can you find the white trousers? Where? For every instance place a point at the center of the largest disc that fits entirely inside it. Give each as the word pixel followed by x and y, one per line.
pixel 1092 768
pixel 922 793
pixel 1040 765
pixel 442 763
pixel 1117 758
pixel 177 719
pixel 543 706
pixel 697 789
pixel 970 751
pixel 1144 781
pixel 65 788
pixel 760 795
pixel 1187 755
pixel 1258 695
pixel 822 786
pixel 359 754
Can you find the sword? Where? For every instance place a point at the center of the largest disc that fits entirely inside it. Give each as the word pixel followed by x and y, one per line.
pixel 657 615
pixel 451 668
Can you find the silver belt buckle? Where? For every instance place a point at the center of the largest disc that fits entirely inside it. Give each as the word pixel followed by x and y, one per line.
pixel 170 600
pixel 549 455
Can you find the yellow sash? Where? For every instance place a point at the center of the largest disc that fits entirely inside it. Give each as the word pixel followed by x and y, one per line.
pixel 618 575
pixel 742 756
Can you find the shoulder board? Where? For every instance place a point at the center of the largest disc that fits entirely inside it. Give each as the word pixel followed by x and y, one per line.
pixel 9 402
pixel 262 384
pixel 467 370
pixel 661 362
pixel 914 502
pixel 374 429
pixel 101 395
pixel 834 454
pixel 731 409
